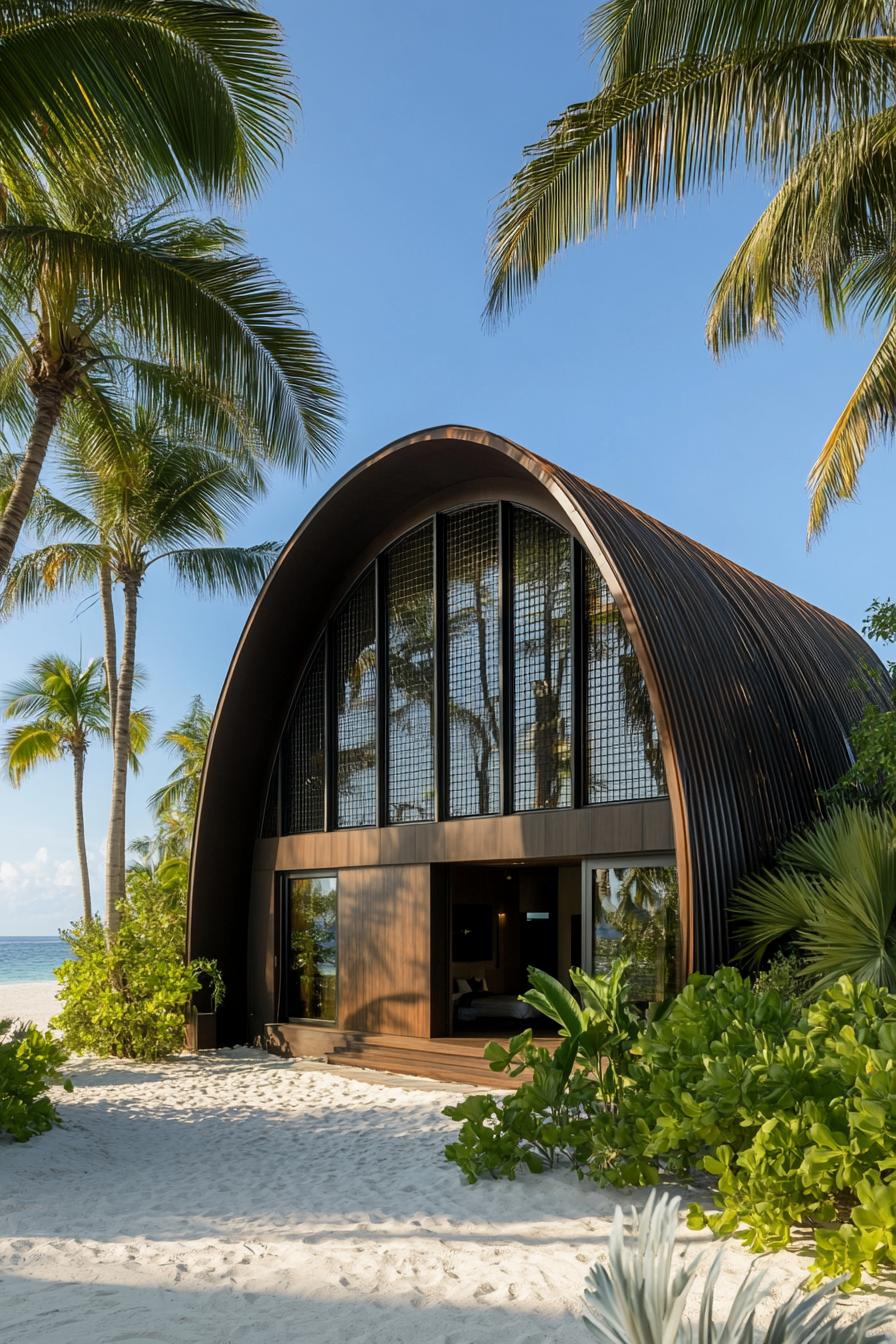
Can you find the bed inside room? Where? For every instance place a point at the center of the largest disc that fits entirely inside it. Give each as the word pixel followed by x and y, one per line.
pixel 505 918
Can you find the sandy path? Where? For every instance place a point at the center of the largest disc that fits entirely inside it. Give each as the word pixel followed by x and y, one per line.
pixel 234 1197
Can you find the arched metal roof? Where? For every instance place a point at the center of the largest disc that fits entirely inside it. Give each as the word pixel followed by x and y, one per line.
pixel 753 689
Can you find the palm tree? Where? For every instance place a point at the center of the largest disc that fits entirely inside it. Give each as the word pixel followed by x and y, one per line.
pixel 86 289
pixel 833 894
pixel 180 95
pixel 62 706
pixel 692 89
pixel 188 740
pixel 140 495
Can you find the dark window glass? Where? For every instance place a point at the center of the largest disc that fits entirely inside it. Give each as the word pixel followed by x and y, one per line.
pixel 542 604
pixel 269 825
pixel 410 609
pixel 354 657
pixel 623 759
pixel 311 992
pixel 474 704
pixel 635 915
pixel 303 774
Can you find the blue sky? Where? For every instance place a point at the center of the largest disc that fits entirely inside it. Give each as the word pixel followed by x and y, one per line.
pixel 414 114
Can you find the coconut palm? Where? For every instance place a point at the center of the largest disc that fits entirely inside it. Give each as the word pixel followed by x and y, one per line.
pixel 691 90
pixel 179 94
pixel 86 289
pixel 61 707
pixel 139 495
pixel 832 893
pixel 188 740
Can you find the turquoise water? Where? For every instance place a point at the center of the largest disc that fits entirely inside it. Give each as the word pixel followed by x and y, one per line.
pixel 30 958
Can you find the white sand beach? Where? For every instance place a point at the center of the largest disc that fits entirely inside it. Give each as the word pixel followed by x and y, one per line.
pixel 234 1197
pixel 32 1000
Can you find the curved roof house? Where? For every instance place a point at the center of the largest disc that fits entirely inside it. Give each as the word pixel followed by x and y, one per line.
pixel 485 715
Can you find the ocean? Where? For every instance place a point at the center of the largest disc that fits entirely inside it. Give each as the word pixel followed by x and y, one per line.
pixel 30 958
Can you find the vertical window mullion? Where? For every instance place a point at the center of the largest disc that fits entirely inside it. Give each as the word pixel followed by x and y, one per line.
pixel 440 668
pixel 506 660
pixel 577 727
pixel 382 691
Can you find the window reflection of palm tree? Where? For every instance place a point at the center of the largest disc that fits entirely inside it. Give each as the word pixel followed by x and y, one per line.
pixel 608 638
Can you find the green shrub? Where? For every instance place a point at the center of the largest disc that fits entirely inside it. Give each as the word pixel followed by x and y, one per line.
pixel 791 1108
pixel 574 1092
pixel 817 1143
pixel 545 1122
pixel 30 1062
pixel 129 1000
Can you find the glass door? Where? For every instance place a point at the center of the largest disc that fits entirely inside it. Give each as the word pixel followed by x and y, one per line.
pixel 311 960
pixel 630 909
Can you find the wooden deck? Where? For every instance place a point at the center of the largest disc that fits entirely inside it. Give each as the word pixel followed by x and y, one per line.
pixel 451 1059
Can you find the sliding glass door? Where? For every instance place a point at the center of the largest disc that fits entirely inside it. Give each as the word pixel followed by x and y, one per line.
pixel 311 963
pixel 630 909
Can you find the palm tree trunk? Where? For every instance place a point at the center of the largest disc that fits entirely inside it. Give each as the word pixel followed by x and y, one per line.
pixel 78 758
pixel 121 748
pixel 49 404
pixel 110 651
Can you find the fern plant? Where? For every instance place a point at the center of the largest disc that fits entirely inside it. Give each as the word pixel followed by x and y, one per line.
pixel 640 1295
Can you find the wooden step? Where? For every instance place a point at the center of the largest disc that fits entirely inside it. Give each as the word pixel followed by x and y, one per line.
pixel 462 1066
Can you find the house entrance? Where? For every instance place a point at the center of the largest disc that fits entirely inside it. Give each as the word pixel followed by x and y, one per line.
pixel 504 918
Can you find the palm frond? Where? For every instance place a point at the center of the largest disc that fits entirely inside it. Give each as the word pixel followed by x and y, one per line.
pixel 834 893
pixel 28 746
pixel 633 35
pixel 213 570
pixel 836 207
pixel 671 129
pixel 869 414
pixel 49 571
pixel 225 313
pixel 191 95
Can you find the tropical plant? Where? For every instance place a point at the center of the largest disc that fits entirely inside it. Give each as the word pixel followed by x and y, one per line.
pixel 174 94
pixel 61 706
pixel 128 998
pixel 140 495
pixel 187 740
pixel 691 90
pixel 872 776
pixel 640 1295
pixel 792 1111
pixel 30 1063
pixel 832 893
pixel 87 288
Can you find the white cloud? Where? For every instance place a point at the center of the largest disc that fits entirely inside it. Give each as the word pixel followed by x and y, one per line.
pixel 42 891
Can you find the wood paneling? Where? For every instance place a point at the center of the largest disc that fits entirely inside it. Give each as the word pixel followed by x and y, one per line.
pixel 614 828
pixel 384 950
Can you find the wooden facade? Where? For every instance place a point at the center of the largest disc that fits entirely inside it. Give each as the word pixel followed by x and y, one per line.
pixel 753 693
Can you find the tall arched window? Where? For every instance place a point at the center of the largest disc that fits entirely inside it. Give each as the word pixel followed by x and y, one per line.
pixel 443 686
pixel 473 618
pixel 410 637
pixel 542 668
pixel 355 689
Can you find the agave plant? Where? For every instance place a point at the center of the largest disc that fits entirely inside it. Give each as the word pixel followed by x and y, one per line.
pixel 640 1296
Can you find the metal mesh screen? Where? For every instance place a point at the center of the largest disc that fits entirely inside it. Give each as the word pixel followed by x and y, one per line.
pixel 474 650
pixel 411 645
pixel 269 818
pixel 303 772
pixel 542 611
pixel 354 660
pixel 623 759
